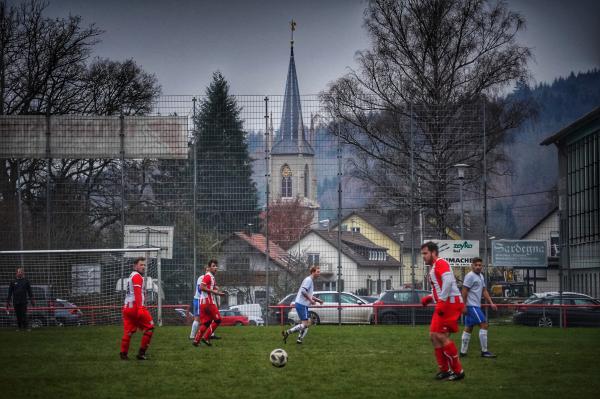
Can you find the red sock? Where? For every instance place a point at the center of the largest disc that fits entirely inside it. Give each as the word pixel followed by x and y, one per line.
pixel 452 356
pixel 125 342
pixel 211 330
pixel 441 359
pixel 146 340
pixel 200 333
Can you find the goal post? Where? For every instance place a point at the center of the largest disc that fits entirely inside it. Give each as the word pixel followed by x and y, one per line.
pixel 81 286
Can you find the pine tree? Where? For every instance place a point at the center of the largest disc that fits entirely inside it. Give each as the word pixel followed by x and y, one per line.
pixel 227 198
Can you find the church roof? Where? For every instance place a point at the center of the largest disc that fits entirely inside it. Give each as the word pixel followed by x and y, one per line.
pixel 291 138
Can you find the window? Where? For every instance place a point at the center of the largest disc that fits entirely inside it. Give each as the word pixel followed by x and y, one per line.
pixel 554 245
pixel 402 297
pixel 286 181
pixel 355 229
pixel 329 297
pixel 349 299
pixel 313 259
pixel 306 181
pixel 388 284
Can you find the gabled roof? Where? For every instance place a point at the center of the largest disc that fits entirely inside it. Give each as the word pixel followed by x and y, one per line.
pixel 380 222
pixel 564 132
pixel 349 239
pixel 291 138
pixel 277 254
pixel 549 214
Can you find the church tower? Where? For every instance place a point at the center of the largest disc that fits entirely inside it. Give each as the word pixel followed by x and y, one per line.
pixel 292 156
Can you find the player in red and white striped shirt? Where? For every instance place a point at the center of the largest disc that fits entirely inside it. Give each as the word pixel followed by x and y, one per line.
pixel 448 308
pixel 210 318
pixel 135 314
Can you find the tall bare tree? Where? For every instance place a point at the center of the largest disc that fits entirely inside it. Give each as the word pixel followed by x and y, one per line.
pixel 46 68
pixel 418 92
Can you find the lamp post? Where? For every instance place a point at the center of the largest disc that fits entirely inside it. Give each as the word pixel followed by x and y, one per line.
pixel 401 242
pixel 461 177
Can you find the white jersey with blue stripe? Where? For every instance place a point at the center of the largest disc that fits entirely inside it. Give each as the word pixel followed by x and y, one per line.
pixel 307 287
pixel 198 291
pixel 475 283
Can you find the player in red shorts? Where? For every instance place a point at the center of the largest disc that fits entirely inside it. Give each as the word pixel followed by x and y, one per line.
pixel 448 308
pixel 210 318
pixel 135 314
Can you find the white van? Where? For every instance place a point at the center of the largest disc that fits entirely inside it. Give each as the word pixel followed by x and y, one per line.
pixel 253 311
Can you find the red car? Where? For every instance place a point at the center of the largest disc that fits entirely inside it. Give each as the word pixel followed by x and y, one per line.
pixel 233 318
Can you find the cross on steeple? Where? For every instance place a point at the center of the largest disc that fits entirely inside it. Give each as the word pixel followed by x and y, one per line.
pixel 292 28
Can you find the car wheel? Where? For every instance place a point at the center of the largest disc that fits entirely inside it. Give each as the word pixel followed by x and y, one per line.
pixel 36 323
pixel 252 322
pixel 389 318
pixel 239 323
pixel 60 322
pixel 544 322
pixel 314 318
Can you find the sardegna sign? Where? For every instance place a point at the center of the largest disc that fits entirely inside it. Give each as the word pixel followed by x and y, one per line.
pixel 519 253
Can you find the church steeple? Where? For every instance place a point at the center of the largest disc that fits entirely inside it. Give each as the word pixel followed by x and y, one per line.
pixel 291 138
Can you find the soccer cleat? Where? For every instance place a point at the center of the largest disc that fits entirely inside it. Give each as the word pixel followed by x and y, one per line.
pixel 206 342
pixel 195 343
pixel 141 355
pixel 215 337
pixel 285 336
pixel 442 375
pixel 299 341
pixel 456 377
pixel 487 354
pixel 463 354
pixel 123 356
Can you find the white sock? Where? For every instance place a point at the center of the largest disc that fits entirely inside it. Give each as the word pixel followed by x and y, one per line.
pixel 464 346
pixel 297 327
pixel 483 339
pixel 303 333
pixel 195 326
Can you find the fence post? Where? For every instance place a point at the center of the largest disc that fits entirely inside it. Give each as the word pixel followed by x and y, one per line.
pixel 412 210
pixel 339 227
pixel 195 194
pixel 160 290
pixel 123 200
pixel 267 199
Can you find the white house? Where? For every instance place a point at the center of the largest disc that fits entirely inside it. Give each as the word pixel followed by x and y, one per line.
pixel 366 268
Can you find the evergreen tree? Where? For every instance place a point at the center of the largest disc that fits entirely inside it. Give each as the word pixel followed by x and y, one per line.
pixel 227 197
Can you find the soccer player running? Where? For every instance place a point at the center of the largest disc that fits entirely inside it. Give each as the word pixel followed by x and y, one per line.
pixel 304 299
pixel 210 318
pixel 472 290
pixel 196 308
pixel 448 308
pixel 135 314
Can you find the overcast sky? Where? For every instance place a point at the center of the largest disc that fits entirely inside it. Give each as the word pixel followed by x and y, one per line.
pixel 183 41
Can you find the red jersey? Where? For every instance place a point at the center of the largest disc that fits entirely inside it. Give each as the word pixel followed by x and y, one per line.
pixel 443 283
pixel 135 294
pixel 208 298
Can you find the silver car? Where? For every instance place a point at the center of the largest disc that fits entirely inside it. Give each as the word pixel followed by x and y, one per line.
pixel 354 309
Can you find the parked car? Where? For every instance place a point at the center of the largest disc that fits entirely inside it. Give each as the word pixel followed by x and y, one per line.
pixel 586 314
pixel 275 314
pixel 253 311
pixel 539 295
pixel 400 315
pixel 369 299
pixel 229 317
pixel 354 309
pixel 67 313
pixel 232 317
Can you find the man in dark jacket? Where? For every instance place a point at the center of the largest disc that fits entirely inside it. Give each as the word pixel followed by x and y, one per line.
pixel 18 290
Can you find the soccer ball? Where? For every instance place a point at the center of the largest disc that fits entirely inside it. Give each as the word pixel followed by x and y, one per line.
pixel 278 357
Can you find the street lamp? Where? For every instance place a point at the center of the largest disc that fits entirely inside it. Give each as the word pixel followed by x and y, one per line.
pixel 401 241
pixel 460 167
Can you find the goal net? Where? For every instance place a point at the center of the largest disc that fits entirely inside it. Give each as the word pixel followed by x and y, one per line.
pixel 79 287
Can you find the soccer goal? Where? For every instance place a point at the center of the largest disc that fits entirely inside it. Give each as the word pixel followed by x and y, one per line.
pixel 80 286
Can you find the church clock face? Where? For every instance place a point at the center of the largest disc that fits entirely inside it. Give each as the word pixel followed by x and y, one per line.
pixel 286 172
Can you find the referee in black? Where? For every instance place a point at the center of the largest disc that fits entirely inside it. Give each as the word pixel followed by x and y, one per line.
pixel 18 290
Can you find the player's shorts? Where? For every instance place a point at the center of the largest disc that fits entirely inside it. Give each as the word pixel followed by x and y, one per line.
pixel 134 320
pixel 448 323
pixel 196 308
pixel 475 316
pixel 302 311
pixel 209 312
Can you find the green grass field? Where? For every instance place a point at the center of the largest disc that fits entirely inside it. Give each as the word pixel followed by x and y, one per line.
pixel 334 362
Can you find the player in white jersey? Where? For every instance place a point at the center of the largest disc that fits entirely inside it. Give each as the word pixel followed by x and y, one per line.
pixel 196 308
pixel 304 299
pixel 472 291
